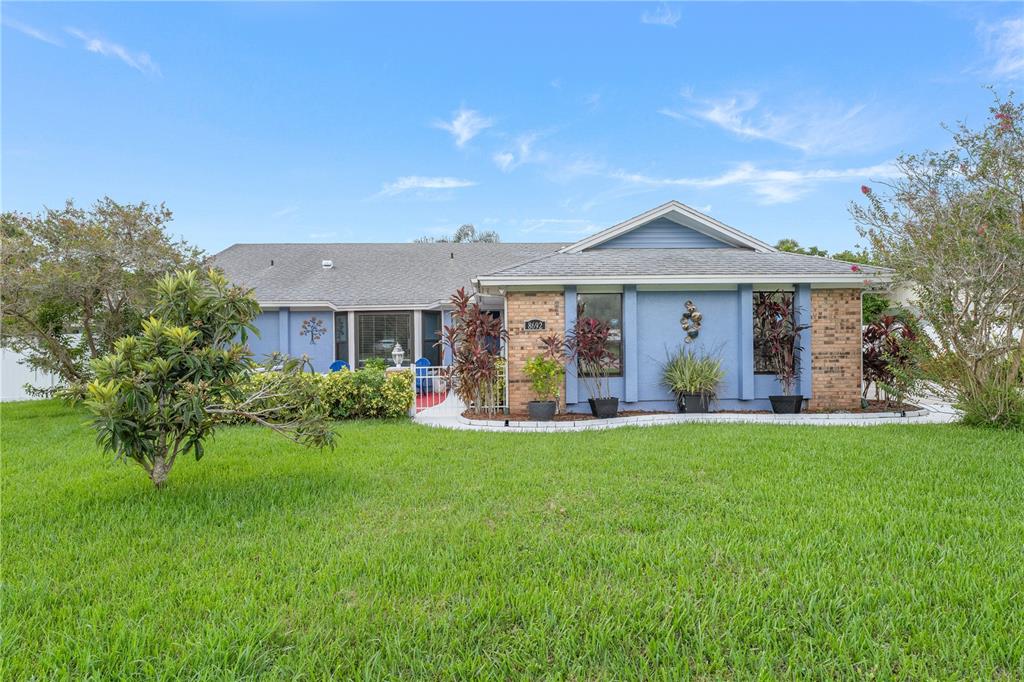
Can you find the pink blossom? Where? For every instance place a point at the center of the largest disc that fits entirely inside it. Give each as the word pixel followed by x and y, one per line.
pixel 855 268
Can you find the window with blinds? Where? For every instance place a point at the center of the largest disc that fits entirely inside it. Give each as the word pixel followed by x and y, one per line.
pixel 377 334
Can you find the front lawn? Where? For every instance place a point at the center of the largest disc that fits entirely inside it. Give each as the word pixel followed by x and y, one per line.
pixel 692 550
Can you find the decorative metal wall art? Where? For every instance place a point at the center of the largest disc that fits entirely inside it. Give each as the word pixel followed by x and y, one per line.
pixel 690 321
pixel 314 328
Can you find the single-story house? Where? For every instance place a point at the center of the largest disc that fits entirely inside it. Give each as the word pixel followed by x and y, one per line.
pixel 354 302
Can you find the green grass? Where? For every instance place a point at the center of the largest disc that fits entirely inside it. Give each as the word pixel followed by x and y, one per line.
pixel 714 551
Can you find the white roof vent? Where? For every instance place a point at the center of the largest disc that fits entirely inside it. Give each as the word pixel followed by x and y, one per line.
pixel 327 264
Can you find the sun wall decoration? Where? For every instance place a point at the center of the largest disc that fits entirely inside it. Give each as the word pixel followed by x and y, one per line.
pixel 690 321
pixel 314 328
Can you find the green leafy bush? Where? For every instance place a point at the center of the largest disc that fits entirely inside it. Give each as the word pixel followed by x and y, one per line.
pixel 303 388
pixel 367 394
pixel 545 375
pixel 379 364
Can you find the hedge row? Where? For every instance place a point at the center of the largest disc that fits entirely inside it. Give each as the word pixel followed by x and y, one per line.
pixel 362 394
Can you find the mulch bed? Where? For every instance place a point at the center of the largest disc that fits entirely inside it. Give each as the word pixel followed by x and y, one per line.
pixel 561 417
pixel 874 406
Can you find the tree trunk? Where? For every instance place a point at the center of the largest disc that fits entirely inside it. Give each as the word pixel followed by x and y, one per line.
pixel 161 467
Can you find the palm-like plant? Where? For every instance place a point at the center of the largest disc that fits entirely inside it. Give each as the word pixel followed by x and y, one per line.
pixel 775 321
pixel 474 340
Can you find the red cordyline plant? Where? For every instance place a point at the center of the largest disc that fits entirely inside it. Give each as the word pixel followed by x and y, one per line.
pixel 474 339
pixel 775 322
pixel 587 346
pixel 888 353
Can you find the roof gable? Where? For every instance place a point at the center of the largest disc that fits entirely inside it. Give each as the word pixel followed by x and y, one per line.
pixel 671 225
pixel 663 233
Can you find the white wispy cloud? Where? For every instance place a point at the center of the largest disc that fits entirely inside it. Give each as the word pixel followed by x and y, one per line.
pixel 771 186
pixel 664 15
pixel 322 236
pixel 286 211
pixel 31 31
pixel 140 61
pixel 1004 45
pixel 465 125
pixel 815 126
pixel 522 150
pixel 557 225
pixel 419 182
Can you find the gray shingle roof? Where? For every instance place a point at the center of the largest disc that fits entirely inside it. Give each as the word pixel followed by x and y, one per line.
pixel 679 262
pixel 368 274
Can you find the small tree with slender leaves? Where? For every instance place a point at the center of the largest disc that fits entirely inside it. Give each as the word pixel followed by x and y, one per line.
pixel 775 323
pixel 888 356
pixel 163 392
pixel 474 339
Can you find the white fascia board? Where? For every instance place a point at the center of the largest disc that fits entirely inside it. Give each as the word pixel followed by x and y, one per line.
pixel 322 305
pixel 682 279
pixel 707 225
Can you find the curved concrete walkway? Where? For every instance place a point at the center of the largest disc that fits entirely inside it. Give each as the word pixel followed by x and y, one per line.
pixel 450 417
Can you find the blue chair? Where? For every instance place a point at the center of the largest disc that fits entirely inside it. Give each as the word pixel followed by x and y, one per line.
pixel 339 365
pixel 424 384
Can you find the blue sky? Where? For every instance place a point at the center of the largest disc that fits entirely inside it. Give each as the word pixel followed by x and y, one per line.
pixel 352 122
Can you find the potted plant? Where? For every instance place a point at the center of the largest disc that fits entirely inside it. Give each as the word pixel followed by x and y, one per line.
pixel 545 375
pixel 775 318
pixel 587 345
pixel 692 377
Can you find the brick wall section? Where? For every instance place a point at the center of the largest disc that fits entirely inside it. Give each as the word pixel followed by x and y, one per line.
pixel 522 345
pixel 835 349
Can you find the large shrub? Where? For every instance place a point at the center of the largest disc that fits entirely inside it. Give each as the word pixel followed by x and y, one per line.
pixel 282 393
pixel 367 394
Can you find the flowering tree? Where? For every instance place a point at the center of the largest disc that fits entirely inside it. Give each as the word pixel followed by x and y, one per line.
pixel 952 227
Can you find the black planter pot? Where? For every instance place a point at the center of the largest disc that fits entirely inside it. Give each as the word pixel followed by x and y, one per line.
pixel 786 404
pixel 693 403
pixel 604 408
pixel 541 410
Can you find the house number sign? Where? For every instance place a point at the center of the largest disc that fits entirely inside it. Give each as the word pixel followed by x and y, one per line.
pixel 535 325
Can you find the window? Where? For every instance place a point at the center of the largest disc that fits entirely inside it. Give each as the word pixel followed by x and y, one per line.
pixel 431 328
pixel 377 334
pixel 606 308
pixel 341 336
pixel 763 359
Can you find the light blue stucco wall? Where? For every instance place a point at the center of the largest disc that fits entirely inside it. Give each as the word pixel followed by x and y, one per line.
pixel 651 331
pixel 321 353
pixel 269 337
pixel 280 332
pixel 663 234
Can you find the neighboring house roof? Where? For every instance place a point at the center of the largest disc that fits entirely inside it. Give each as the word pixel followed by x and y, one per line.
pixel 670 266
pixel 682 214
pixel 367 276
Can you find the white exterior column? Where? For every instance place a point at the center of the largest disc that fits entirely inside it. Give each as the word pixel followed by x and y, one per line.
pixel 417 336
pixel 353 361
